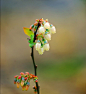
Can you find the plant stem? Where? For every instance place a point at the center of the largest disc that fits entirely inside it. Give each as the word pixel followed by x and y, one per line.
pixel 32 55
pixel 35 69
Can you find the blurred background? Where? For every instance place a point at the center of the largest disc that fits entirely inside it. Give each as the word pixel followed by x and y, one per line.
pixel 61 70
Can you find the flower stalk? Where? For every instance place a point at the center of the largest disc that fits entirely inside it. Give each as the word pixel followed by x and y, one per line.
pixel 35 68
pixel 32 55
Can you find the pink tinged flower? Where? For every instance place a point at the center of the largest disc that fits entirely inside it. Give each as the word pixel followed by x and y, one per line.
pixel 41 30
pixel 41 50
pixel 53 29
pixel 46 47
pixel 25 78
pixel 22 73
pixel 27 73
pixel 19 77
pixel 16 76
pixel 46 25
pixel 22 83
pixel 38 46
pixel 48 37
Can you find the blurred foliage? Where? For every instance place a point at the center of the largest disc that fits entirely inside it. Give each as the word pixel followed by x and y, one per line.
pixel 84 1
pixel 65 69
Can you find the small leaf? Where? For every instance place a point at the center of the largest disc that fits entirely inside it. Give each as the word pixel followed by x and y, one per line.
pixel 32 44
pixel 28 32
pixel 32 38
pixel 29 41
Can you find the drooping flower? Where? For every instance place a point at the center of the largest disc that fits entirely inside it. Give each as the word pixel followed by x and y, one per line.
pixel 41 30
pixel 17 84
pixel 47 25
pixel 53 29
pixel 48 36
pixel 41 50
pixel 27 87
pixel 22 83
pixel 22 73
pixel 23 88
pixel 38 46
pixel 46 47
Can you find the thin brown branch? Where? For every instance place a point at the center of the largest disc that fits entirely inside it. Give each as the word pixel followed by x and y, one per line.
pixel 32 55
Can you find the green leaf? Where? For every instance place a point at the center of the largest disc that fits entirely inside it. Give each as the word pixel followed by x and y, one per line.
pixel 28 32
pixel 29 41
pixel 32 44
pixel 32 38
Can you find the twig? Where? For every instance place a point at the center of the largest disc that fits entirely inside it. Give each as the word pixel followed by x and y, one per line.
pixel 32 55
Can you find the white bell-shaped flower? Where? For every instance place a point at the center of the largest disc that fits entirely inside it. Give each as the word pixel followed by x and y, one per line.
pixel 46 47
pixel 48 37
pixel 41 30
pixel 53 29
pixel 47 25
pixel 41 50
pixel 38 46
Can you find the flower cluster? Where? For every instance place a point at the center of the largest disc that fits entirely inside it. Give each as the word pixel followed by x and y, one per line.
pixel 43 34
pixel 24 80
